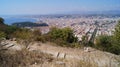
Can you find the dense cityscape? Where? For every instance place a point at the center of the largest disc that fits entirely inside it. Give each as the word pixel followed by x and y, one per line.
pixel 82 25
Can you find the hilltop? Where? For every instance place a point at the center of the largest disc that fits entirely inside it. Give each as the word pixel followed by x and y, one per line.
pixel 29 24
pixel 64 56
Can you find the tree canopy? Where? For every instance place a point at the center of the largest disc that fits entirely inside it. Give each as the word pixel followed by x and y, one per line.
pixel 65 34
pixel 1 20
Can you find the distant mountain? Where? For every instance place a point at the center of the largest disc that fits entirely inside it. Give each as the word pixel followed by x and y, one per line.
pixel 28 24
pixel 109 12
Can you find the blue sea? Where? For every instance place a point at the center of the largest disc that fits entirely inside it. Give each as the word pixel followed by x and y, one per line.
pixel 14 19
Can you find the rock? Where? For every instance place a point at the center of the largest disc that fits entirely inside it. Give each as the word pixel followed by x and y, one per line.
pixel 62 55
pixel 60 62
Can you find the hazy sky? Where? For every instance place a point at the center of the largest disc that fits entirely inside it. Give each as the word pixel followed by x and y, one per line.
pixel 55 6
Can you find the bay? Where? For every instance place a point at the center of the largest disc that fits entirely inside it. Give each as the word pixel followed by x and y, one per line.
pixel 10 19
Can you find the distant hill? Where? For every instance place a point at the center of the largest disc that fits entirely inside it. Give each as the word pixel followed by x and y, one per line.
pixel 28 24
pixel 107 12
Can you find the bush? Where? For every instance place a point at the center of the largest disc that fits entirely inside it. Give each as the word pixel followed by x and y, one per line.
pixel 61 42
pixel 23 34
pixel 107 43
pixel 84 41
pixel 2 35
pixel 116 39
pixel 62 36
pixel 115 49
pixel 65 34
pixel 40 38
pixel 103 42
pixel 1 20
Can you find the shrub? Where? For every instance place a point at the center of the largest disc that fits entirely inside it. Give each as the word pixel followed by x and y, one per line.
pixel 103 42
pixel 107 43
pixel 62 36
pixel 23 34
pixel 2 35
pixel 84 41
pixel 115 49
pixel 65 34
pixel 116 39
pixel 40 38
pixel 1 20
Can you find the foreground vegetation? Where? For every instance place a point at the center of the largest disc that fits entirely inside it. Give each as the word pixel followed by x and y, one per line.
pixel 23 58
pixel 110 43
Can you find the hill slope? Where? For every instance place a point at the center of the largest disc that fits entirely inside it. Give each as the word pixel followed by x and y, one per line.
pixel 29 24
pixel 92 56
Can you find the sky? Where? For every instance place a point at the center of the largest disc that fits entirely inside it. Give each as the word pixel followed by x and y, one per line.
pixel 14 7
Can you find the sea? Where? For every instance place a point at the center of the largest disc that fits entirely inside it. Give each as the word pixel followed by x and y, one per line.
pixel 9 20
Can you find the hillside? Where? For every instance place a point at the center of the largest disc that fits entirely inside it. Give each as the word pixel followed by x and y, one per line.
pixel 2 25
pixel 69 57
pixel 28 24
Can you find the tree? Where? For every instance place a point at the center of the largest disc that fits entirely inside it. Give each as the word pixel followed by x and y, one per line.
pixel 117 33
pixel 116 38
pixel 103 42
pixel 1 20
pixel 2 35
pixel 84 41
pixel 110 43
pixel 65 34
pixel 23 34
pixel 62 36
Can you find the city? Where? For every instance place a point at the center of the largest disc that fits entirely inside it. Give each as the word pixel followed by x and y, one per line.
pixel 82 25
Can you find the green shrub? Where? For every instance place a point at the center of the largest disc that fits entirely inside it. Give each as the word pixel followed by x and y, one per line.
pixel 23 34
pixel 115 49
pixel 103 42
pixel 107 43
pixel 2 35
pixel 1 20
pixel 62 37
pixel 40 38
pixel 65 34
pixel 116 39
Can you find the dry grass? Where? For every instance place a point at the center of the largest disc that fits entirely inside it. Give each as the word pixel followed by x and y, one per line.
pixel 23 58
pixel 35 58
pixel 65 63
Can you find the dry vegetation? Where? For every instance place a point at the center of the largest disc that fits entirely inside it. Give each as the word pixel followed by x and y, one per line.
pixel 25 58
pixel 36 57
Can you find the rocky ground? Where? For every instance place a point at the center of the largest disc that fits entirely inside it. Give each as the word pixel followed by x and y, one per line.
pixel 68 57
